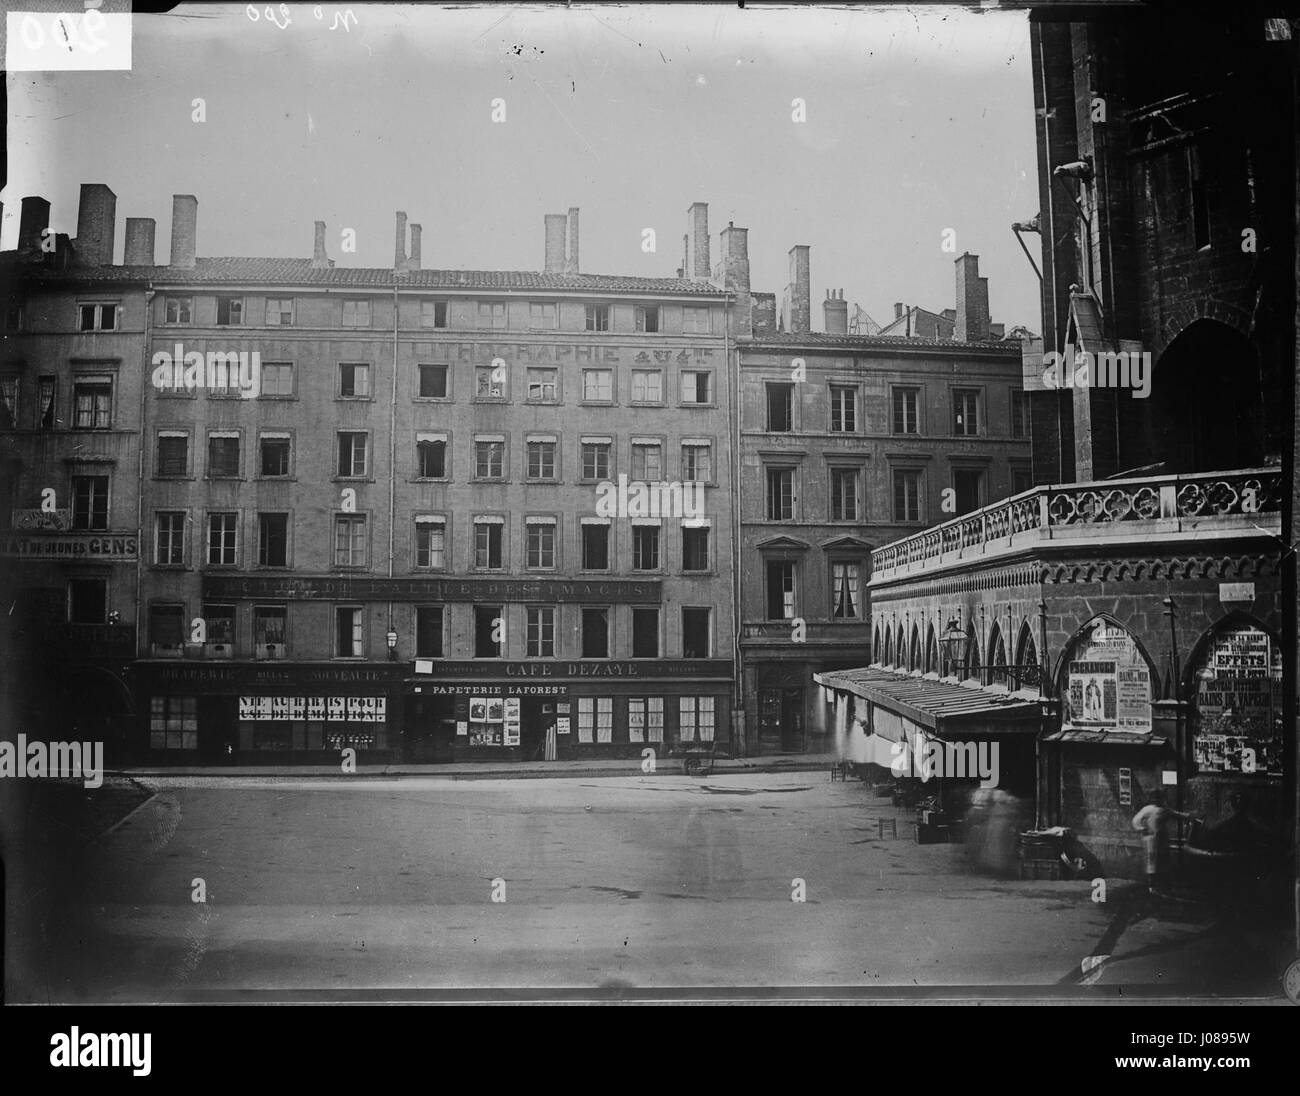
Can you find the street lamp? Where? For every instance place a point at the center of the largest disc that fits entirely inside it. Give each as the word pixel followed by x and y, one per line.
pixel 392 644
pixel 954 642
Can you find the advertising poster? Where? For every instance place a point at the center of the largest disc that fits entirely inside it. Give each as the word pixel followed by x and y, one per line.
pixel 511 736
pixel 1239 706
pixel 562 725
pixel 1109 685
pixel 477 709
pixel 462 727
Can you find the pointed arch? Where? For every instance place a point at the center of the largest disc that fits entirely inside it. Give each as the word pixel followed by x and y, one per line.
pixel 875 643
pixel 914 657
pixel 1026 650
pixel 972 653
pixel 931 651
pixel 997 658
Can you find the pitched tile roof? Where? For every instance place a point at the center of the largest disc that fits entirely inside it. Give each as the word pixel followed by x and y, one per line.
pixel 273 271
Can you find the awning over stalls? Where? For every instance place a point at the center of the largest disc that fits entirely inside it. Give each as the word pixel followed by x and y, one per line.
pixel 938 707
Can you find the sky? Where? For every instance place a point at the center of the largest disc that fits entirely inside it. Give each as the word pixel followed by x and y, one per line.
pixel 916 120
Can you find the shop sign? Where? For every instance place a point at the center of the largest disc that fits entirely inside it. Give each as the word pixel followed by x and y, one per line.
pixel 333 709
pixel 1109 684
pixel 431 588
pixel 70 546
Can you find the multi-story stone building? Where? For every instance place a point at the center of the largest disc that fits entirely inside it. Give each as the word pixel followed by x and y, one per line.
pixel 1122 636
pixel 468 513
pixel 71 368
pixel 845 442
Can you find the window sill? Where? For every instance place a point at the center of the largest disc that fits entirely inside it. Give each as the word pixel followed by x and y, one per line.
pixel 488 479
pixel 354 399
pixel 352 479
pixel 699 406
pixel 429 479
pixel 433 399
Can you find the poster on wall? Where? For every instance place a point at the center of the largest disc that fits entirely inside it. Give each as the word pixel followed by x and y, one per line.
pixel 562 725
pixel 462 727
pixel 1109 684
pixel 1239 705
pixel 477 709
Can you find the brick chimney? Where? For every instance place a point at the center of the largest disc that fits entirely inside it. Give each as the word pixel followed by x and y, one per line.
pixel 185 220
pixel 734 273
pixel 898 310
pixel 972 322
pixel 697 241
pixel 414 262
pixel 139 250
pixel 556 225
pixel 399 243
pixel 319 260
pixel 32 223
pixel 835 313
pixel 796 306
pixel 571 263
pixel 96 225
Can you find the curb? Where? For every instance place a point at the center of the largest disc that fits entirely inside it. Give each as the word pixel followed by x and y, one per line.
pixel 385 773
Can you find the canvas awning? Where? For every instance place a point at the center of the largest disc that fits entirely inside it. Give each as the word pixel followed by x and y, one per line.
pixel 934 705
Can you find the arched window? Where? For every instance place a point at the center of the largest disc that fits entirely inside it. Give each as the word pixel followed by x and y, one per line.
pixel 875 644
pixel 1237 712
pixel 914 660
pixel 931 652
pixel 888 660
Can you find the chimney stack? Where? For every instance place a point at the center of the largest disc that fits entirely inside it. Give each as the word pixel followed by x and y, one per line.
pixel 734 244
pixel 414 261
pixel 697 241
pixel 556 224
pixel 898 310
pixel 319 260
pixel 96 225
pixel 571 263
pixel 33 222
pixel 972 322
pixel 185 219
pixel 835 312
pixel 399 243
pixel 796 307
pixel 139 249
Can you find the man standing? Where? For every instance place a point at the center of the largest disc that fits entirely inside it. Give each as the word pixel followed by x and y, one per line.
pixel 1153 820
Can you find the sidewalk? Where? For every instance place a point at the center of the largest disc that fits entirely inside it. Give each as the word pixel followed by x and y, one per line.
pixel 505 770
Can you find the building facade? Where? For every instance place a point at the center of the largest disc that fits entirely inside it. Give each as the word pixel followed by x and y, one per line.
pixel 70 385
pixel 467 515
pixel 846 442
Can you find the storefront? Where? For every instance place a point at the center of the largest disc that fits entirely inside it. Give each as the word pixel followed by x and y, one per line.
pixel 254 712
pixel 564 709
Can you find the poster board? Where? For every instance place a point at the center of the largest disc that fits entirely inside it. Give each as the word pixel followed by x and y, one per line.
pixel 1109 684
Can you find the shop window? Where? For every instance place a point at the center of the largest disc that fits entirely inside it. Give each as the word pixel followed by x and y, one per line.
pixel 1108 682
pixel 595 718
pixel 173 723
pixel 696 718
pixel 645 719
pixel 1238 708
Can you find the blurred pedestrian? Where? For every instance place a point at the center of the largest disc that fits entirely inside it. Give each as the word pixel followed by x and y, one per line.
pixel 1153 820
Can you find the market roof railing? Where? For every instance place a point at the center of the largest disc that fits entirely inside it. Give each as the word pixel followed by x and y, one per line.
pixel 1204 505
